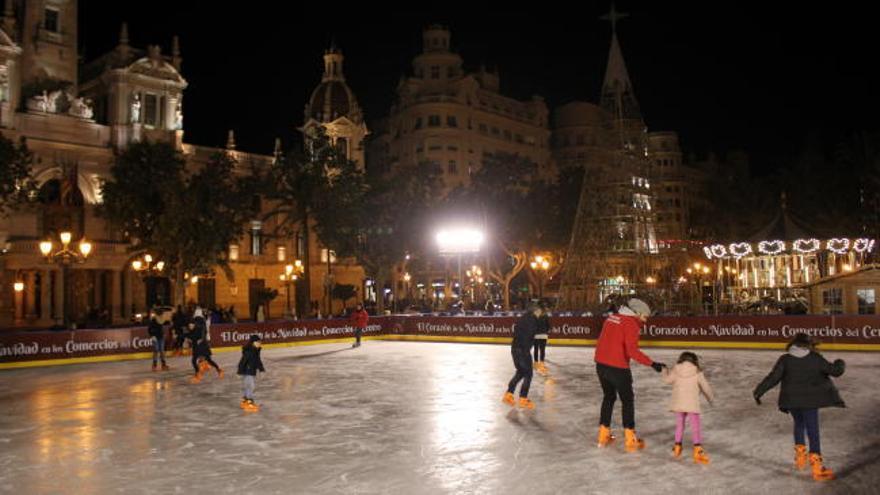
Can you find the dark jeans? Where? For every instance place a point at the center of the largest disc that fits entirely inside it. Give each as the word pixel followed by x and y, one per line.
pixel 540 346
pixel 158 349
pixel 522 360
pixel 357 335
pixel 616 382
pixel 195 362
pixel 807 420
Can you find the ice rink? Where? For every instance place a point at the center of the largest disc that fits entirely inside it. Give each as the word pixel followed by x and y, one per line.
pixel 410 418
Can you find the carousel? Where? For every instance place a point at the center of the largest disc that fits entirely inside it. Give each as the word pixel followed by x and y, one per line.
pixel 777 262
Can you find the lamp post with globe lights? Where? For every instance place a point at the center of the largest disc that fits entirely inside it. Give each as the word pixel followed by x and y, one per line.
pixel 288 278
pixel 64 256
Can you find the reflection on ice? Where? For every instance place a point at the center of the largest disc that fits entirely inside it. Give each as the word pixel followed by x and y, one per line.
pixel 413 418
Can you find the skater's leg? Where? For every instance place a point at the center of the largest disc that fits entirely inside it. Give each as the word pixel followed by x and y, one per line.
pixel 679 426
pixel 160 346
pixel 527 374
pixel 811 423
pixel 627 398
pixel 799 427
pixel 541 348
pixel 536 346
pixel 248 385
pixel 519 372
pixel 696 430
pixel 212 363
pixel 195 362
pixel 358 334
pixel 609 395
pixel 156 352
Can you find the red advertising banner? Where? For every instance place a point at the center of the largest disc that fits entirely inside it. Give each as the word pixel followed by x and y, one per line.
pixel 845 332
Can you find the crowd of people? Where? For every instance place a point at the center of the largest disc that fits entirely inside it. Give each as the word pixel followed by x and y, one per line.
pixel 804 375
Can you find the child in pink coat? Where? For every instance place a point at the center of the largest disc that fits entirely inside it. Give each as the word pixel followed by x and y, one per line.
pixel 688 381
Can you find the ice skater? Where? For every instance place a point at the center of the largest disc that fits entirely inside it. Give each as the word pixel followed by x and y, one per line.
pixel 618 343
pixel 157 332
pixel 201 348
pixel 806 387
pixel 688 382
pixel 541 340
pixel 248 366
pixel 359 318
pixel 523 338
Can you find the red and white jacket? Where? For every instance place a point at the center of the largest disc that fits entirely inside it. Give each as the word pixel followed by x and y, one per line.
pixel 619 340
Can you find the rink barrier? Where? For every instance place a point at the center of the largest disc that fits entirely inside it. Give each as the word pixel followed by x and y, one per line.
pixel 835 332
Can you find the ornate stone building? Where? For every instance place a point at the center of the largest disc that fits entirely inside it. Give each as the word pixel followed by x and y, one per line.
pixel 74 119
pixel 455 119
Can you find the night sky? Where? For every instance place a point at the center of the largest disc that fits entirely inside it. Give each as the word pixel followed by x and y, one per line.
pixel 725 76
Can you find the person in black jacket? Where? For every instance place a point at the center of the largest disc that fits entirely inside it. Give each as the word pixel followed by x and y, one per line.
pixel 541 336
pixel 521 347
pixel 248 366
pixel 806 387
pixel 201 352
pixel 155 330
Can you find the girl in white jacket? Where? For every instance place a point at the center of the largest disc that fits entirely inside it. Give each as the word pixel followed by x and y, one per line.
pixel 688 381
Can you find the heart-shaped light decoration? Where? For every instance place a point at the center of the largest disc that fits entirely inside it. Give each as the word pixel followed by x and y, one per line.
pixel 806 246
pixel 771 247
pixel 740 249
pixel 861 245
pixel 718 250
pixel 838 246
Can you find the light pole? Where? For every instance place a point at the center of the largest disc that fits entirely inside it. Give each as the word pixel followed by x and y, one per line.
pixel 406 279
pixel 146 268
pixel 289 277
pixel 458 241
pixel 64 257
pixel 540 265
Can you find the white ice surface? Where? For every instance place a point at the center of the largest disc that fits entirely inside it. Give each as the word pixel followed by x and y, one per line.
pixel 410 418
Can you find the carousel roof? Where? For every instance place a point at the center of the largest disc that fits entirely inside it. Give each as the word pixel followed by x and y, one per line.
pixel 785 226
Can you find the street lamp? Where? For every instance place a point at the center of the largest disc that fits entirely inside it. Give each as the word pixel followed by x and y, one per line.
pixel 540 265
pixel 64 257
pixel 145 266
pixel 289 277
pixel 458 241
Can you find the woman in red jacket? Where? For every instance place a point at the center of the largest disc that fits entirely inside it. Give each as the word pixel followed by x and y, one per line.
pixel 618 344
pixel 359 320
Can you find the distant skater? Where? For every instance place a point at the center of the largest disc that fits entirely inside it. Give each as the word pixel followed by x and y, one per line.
pixel 359 318
pixel 520 349
pixel 248 366
pixel 541 340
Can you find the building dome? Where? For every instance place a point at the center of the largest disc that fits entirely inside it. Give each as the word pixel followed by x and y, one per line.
pixel 578 114
pixel 332 100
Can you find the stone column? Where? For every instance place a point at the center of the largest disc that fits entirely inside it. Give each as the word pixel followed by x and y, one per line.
pixel 46 295
pixel 127 294
pixel 30 294
pixel 58 301
pixel 116 310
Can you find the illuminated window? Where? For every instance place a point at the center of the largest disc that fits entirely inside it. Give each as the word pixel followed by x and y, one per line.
pixel 282 253
pixel 832 301
pixel 233 252
pixel 867 301
pixel 256 237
